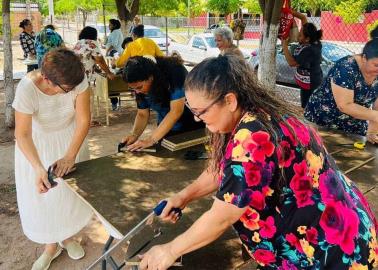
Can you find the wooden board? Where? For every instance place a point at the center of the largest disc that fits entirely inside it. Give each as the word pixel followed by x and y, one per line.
pixel 185 140
pixel 123 188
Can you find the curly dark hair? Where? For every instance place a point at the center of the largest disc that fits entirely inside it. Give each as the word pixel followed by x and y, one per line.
pixel 168 74
pixel 88 33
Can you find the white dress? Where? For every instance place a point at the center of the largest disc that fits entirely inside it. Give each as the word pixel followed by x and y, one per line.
pixel 58 214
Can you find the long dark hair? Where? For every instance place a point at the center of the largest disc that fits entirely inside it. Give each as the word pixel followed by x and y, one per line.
pixel 168 74
pixel 216 77
pixel 310 31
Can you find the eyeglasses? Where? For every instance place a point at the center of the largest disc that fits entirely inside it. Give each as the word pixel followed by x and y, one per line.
pixel 202 112
pixel 57 84
pixel 63 89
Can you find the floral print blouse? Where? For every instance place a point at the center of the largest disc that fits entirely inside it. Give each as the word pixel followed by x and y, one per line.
pixel 319 220
pixel 322 109
pixel 87 49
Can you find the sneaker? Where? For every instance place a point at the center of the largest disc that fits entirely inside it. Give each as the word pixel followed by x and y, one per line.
pixel 44 261
pixel 74 249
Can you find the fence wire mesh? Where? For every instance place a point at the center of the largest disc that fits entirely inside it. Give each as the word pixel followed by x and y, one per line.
pixel 339 39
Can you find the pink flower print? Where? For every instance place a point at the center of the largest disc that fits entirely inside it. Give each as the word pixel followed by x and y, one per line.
pixel 301 130
pixel 331 188
pixel 285 154
pixel 228 152
pixel 260 146
pixel 287 265
pixel 252 173
pixel 294 241
pixel 340 225
pixel 312 236
pixel 264 257
pixel 257 200
pixel 267 228
pixel 250 219
pixel 288 133
pixel 301 184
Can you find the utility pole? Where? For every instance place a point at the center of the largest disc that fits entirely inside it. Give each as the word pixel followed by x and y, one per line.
pixel 51 11
pixel 188 18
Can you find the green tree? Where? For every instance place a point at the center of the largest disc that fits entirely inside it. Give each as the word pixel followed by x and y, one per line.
pixel 8 65
pixel 159 7
pixel 224 7
pixel 267 50
pixel 84 6
pixel 127 9
pixel 350 10
pixel 253 6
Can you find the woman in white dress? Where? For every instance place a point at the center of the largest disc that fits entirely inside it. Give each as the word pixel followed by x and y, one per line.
pixel 52 121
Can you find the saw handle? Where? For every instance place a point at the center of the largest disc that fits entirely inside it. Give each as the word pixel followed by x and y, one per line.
pixel 160 207
pixel 120 146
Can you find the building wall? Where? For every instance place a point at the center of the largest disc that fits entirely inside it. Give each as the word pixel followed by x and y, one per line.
pixel 335 29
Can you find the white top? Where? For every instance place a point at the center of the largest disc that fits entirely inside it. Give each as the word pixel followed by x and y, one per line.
pixel 115 39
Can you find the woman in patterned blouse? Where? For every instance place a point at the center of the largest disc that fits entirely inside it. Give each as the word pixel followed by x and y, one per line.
pixel 275 183
pixel 347 99
pixel 27 39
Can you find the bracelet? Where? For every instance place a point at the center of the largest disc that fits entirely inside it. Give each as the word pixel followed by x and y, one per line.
pixel 134 135
pixel 372 133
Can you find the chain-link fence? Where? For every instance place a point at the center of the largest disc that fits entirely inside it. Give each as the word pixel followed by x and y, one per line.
pixel 192 38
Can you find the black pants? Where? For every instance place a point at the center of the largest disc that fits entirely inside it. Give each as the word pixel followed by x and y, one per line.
pixel 305 96
pixel 31 68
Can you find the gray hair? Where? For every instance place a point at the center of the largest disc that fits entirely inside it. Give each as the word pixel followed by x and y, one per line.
pixel 225 32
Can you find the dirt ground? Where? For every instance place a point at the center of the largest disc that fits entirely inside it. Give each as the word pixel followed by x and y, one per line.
pixel 16 251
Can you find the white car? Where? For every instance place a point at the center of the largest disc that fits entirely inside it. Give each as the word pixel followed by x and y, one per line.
pixel 199 47
pixel 158 36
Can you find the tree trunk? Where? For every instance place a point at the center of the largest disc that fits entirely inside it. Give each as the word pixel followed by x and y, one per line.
pixel 127 9
pixel 8 66
pixel 267 50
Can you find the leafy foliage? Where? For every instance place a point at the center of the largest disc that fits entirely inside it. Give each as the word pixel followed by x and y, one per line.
pixel 350 10
pixel 253 6
pixel 224 6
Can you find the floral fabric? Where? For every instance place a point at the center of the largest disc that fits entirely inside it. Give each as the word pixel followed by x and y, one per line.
pixel 87 49
pixel 320 220
pixel 45 41
pixel 322 109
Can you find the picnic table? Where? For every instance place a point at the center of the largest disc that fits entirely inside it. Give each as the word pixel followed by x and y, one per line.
pixel 123 188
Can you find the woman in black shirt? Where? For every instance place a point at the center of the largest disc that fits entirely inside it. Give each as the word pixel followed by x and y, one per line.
pixel 307 58
pixel 27 38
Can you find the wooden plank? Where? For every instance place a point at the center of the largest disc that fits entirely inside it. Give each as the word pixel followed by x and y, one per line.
pixel 185 140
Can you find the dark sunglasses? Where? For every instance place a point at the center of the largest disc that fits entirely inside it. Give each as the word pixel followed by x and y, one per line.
pixel 198 114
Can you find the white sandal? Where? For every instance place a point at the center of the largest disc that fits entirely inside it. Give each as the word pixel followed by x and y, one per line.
pixel 74 249
pixel 44 261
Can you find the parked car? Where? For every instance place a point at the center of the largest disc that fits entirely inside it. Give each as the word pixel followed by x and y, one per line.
pixel 285 74
pixel 158 36
pixel 199 47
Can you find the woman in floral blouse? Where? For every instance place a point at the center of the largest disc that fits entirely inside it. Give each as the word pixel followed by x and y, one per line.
pixel 347 99
pixel 274 182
